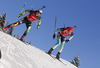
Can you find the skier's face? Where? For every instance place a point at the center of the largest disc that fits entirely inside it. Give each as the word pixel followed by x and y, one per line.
pixel 37 14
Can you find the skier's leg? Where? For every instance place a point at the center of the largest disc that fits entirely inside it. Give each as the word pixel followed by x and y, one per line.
pixel 26 32
pixel 60 50
pixel 13 24
pixel 57 56
pixel 49 52
pixel 62 46
pixel 57 44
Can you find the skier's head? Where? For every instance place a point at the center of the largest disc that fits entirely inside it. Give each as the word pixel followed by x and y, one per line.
pixel 38 12
pixel 70 29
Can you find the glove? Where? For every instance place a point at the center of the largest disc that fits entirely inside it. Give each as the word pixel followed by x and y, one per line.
pixel 54 36
pixel 66 41
pixel 20 15
pixel 38 26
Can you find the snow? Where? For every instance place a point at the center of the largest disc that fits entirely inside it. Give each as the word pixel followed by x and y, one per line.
pixel 16 54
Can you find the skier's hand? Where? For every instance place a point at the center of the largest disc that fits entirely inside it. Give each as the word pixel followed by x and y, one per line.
pixel 54 36
pixel 66 41
pixel 38 26
pixel 20 15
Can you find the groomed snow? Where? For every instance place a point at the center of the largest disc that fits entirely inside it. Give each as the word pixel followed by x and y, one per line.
pixel 16 54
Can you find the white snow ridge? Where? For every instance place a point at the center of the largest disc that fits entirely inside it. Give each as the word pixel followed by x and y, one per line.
pixel 16 54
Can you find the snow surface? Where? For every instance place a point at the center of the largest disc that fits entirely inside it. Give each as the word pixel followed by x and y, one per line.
pixel 16 54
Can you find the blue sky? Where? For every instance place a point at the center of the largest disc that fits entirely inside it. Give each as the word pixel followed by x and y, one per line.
pixel 83 13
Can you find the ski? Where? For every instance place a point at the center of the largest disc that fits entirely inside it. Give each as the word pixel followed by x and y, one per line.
pixel 60 61
pixel 56 58
pixel 51 56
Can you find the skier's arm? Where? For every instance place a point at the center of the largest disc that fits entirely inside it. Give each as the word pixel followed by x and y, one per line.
pixel 58 30
pixel 72 35
pixel 23 13
pixel 39 22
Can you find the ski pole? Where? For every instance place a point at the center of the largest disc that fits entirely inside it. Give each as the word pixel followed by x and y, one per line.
pixel 23 7
pixel 55 24
pixel 22 11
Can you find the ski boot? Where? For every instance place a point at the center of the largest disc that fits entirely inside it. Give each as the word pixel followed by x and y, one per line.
pixel 57 56
pixel 49 52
